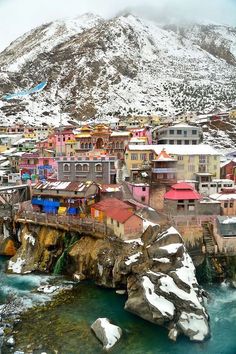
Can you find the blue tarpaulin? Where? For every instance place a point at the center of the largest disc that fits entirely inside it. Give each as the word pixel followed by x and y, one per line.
pixel 72 211
pixel 24 93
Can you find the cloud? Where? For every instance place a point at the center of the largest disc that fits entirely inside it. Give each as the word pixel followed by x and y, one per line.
pixel 19 16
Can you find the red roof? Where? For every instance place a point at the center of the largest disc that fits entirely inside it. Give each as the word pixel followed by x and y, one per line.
pixel 111 204
pixel 120 215
pixel 182 191
pixel 163 156
pixel 182 185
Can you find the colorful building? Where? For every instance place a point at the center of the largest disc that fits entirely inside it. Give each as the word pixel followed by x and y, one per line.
pixel 71 198
pixel 181 199
pixel 140 191
pixel 190 160
pixel 227 199
pixel 164 169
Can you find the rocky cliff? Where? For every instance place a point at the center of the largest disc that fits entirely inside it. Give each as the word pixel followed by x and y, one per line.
pixel 156 271
pixel 158 274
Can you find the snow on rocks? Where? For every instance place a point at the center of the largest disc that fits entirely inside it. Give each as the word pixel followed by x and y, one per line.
pixel 194 326
pixel 47 289
pixel 106 332
pixel 172 248
pixel 133 259
pixel 157 301
pixel 16 267
pixel 167 293
pixel 30 239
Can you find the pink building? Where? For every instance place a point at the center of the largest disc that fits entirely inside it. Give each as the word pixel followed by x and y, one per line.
pixel 142 133
pixel 47 168
pixel 61 137
pixel 140 191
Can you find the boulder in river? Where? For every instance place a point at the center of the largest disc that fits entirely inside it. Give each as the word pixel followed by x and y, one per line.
pixel 106 332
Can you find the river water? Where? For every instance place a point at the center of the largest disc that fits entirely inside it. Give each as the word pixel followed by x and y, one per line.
pixel 65 327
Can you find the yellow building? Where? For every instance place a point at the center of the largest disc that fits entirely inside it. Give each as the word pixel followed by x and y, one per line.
pixel 191 159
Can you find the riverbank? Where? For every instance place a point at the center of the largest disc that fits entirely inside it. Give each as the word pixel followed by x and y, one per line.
pixel 64 325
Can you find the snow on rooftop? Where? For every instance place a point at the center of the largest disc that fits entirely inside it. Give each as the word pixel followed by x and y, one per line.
pixel 201 149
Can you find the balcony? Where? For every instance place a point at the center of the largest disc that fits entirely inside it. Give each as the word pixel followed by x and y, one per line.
pixel 164 170
pixel 27 165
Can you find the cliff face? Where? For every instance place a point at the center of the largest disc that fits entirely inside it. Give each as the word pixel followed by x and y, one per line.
pixel 40 247
pixel 156 271
pixel 8 244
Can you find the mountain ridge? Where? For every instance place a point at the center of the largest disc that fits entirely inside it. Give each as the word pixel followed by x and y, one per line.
pixel 120 66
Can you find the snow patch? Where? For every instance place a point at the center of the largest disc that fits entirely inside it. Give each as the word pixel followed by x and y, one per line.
pixel 159 302
pixel 134 258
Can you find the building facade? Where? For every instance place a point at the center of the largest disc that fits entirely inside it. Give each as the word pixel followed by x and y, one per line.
pixel 98 169
pixel 191 160
pixel 179 134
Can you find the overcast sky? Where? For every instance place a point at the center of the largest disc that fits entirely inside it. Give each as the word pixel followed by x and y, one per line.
pixel 19 16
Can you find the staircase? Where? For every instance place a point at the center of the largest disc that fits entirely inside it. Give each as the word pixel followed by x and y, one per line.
pixel 208 239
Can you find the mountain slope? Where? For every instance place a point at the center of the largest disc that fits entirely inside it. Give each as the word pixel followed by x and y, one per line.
pixel 124 65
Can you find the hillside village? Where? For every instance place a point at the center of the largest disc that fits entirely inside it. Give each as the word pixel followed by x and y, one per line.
pixel 121 176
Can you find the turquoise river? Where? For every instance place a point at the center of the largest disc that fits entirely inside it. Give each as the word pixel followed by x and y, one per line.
pixel 65 327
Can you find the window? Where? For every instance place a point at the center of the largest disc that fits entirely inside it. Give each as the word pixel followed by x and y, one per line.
pixel 111 221
pixel 186 142
pixel 82 145
pixel 204 185
pixel 134 156
pixel 143 199
pixel 225 204
pixel 121 145
pixel 117 224
pixel 202 158
pixel 64 138
pixel 179 142
pixel 144 189
pixel 85 167
pixel 171 131
pixel 98 167
pixel 180 158
pixel 191 168
pixel 151 156
pixel 143 156
pixel 171 142
pixel 78 167
pixel 86 145
pixel 194 132
pixel 231 204
pixel 117 145
pixel 179 132
pixel 194 142
pixel 66 167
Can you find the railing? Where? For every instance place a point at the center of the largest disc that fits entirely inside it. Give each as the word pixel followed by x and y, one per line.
pixel 164 170
pixel 71 222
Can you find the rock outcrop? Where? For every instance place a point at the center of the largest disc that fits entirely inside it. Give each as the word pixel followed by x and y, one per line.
pixel 40 247
pixel 156 271
pixel 7 242
pixel 159 276
pixel 106 332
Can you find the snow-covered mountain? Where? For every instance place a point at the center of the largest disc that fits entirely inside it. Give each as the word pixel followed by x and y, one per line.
pixel 124 65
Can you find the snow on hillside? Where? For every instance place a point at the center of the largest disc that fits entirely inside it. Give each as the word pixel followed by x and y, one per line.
pixel 115 67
